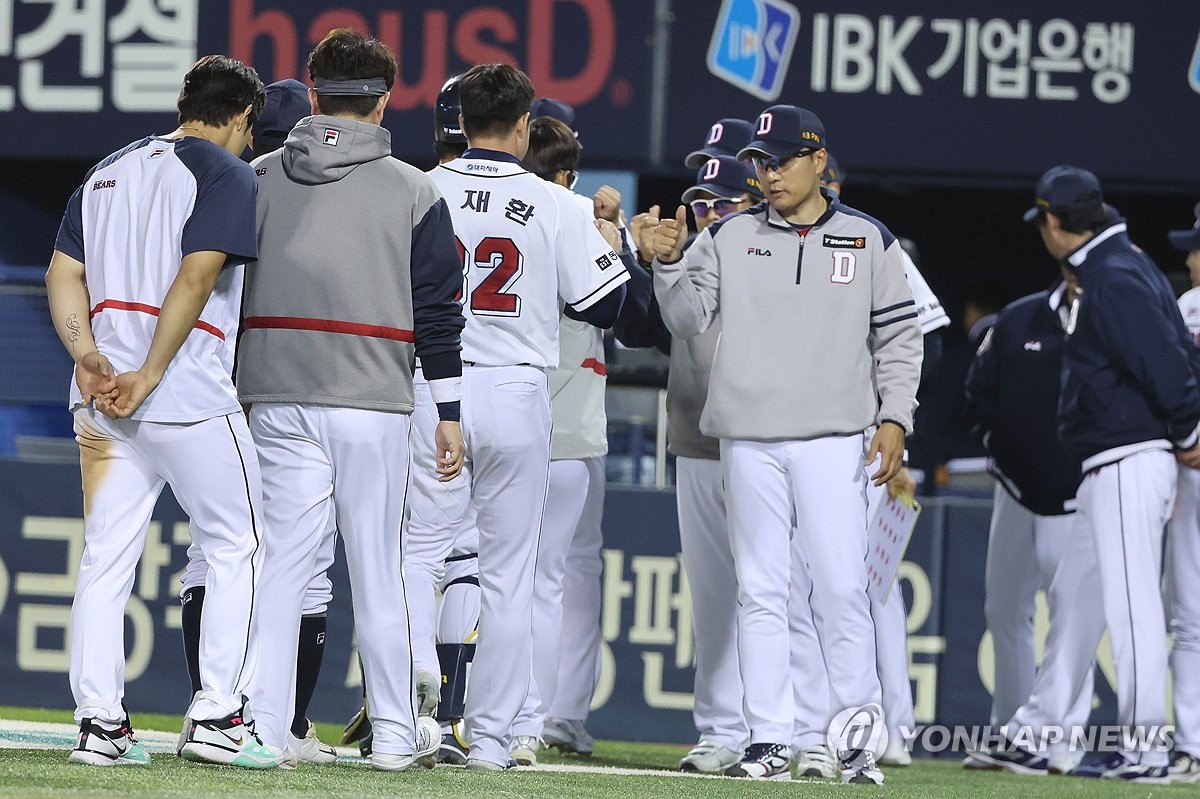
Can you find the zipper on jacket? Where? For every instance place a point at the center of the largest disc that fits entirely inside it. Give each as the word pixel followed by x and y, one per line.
pixel 800 254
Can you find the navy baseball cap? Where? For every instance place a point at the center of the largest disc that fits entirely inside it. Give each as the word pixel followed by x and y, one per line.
pixel 725 176
pixel 1065 188
pixel 725 137
pixel 784 130
pixel 549 107
pixel 833 173
pixel 1187 240
pixel 446 111
pixel 287 103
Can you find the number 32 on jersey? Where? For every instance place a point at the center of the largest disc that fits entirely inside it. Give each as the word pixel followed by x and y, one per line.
pixel 493 296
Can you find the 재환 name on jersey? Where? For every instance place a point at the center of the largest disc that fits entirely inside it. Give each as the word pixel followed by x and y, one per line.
pixel 859 243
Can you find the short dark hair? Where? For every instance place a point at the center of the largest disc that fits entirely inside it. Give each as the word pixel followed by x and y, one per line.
pixel 493 98
pixel 345 54
pixel 552 147
pixel 218 88
pixel 445 148
pixel 1087 220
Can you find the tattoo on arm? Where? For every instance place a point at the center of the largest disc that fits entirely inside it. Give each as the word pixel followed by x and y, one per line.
pixel 73 330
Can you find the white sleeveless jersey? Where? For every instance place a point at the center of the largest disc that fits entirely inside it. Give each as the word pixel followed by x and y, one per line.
pixel 527 247
pixel 137 214
pixel 1189 306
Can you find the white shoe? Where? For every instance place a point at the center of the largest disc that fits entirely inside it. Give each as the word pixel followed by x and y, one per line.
pixel 817 761
pixel 429 690
pixel 709 757
pixel 385 762
pixel 859 768
pixel 524 750
pixel 895 754
pixel 104 745
pixel 1184 768
pixel 429 740
pixel 568 735
pixel 310 749
pixel 479 764
pixel 227 741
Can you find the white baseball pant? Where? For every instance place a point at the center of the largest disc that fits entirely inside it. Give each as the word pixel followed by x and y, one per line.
pixel 1183 572
pixel 506 427
pixel 214 474
pixel 708 561
pixel 822 482
pixel 439 524
pixel 1124 505
pixel 322 464
pixel 579 652
pixel 565 498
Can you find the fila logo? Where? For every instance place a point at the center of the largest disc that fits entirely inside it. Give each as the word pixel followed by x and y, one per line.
pixel 765 121
pixel 1033 346
pixel 715 133
pixel 712 167
pixel 156 152
pixel 756 251
pixel 104 184
pixel 847 242
pixel 320 638
pixel 331 137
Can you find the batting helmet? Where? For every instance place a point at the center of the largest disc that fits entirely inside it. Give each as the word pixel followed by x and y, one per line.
pixel 446 112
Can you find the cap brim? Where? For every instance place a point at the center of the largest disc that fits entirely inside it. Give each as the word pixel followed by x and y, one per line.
pixel 1031 214
pixel 697 159
pixel 1185 240
pixel 714 189
pixel 766 149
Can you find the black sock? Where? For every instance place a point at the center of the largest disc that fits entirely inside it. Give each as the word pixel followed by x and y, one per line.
pixel 308 668
pixel 193 603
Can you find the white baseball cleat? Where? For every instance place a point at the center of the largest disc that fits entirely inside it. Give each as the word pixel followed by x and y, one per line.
pixel 763 762
pixel 819 762
pixel 709 757
pixel 228 741
pixel 524 750
pixel 429 740
pixel 104 745
pixel 1184 768
pixel 568 735
pixel 310 749
pixel 859 768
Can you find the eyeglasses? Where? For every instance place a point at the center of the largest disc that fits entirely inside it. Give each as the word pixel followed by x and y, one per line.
pixel 779 164
pixel 574 178
pixel 721 205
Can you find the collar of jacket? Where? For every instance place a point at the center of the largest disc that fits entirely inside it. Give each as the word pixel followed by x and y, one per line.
pixel 834 203
pixel 1103 240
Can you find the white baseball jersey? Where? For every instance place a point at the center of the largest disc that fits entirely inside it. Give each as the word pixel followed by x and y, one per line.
pixel 174 197
pixel 511 225
pixel 930 314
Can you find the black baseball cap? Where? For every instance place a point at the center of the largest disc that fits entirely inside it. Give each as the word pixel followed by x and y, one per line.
pixel 1065 188
pixel 447 109
pixel 784 130
pixel 725 137
pixel 549 107
pixel 1187 240
pixel 286 104
pixel 833 172
pixel 725 176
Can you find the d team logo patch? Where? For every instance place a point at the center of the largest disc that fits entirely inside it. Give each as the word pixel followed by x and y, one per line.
pixel 331 137
pixel 845 242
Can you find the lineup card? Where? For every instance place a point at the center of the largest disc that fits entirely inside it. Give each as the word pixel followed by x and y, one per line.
pixel 887 538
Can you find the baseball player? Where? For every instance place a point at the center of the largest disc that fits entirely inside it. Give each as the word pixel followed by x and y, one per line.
pixel 152 332
pixel 333 442
pixel 725 137
pixel 723 186
pixel 286 104
pixel 1129 396
pixel 1183 560
pixel 791 438
pixel 505 216
pixel 1013 391
pixel 578 445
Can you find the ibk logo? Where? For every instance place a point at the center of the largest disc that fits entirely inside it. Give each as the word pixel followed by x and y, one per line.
pixel 1194 69
pixel 752 45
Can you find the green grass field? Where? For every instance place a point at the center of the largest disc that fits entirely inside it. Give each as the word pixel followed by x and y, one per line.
pixel 46 773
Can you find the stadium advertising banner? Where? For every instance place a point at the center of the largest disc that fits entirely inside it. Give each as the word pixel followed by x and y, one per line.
pixel 90 75
pixel 954 89
pixel 645 681
pixel 929 89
